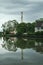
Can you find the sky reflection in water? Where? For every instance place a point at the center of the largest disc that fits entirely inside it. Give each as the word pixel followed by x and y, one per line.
pixel 21 51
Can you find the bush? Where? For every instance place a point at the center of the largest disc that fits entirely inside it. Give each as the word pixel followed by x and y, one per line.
pixel 39 33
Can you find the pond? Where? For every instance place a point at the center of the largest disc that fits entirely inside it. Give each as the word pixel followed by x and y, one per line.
pixel 21 51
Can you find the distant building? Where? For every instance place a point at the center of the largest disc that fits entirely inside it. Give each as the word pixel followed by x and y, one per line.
pixel 39 26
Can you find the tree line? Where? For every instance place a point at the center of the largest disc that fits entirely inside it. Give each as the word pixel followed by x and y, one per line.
pixel 13 27
pixel 19 28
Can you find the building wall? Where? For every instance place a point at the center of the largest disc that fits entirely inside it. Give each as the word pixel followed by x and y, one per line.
pixel 38 29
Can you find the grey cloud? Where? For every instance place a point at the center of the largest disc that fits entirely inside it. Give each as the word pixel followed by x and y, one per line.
pixel 32 9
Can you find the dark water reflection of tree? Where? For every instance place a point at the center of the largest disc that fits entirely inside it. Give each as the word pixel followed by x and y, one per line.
pixel 13 43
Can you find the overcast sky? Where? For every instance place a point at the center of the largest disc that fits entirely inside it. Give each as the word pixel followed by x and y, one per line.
pixel 10 9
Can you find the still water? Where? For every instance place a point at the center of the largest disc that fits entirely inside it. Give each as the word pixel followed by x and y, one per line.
pixel 21 51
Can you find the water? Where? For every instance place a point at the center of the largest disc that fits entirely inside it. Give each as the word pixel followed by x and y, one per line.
pixel 21 51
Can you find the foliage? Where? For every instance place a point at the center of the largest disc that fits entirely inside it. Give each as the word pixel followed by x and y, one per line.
pixel 39 33
pixel 21 28
pixel 30 28
pixel 1 33
pixel 9 26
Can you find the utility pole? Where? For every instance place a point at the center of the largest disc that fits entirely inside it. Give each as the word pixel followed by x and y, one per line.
pixel 21 17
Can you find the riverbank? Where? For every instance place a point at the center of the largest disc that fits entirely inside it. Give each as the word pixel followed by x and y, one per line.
pixel 33 35
pixel 30 36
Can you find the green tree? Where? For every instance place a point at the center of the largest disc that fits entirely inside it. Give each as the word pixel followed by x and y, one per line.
pixel 9 26
pixel 30 27
pixel 21 28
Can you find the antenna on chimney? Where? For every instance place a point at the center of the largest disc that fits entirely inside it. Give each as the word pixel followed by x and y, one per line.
pixel 21 16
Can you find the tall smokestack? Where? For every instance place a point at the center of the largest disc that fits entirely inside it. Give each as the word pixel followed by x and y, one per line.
pixel 21 16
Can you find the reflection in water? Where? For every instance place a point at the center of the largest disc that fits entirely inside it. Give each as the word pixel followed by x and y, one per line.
pixel 39 46
pixel 9 44
pixel 12 44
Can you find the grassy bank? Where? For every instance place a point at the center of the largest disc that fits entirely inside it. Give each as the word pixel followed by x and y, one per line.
pixel 29 35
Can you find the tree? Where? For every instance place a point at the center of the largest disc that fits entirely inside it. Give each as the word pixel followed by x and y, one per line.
pixel 9 26
pixel 33 26
pixel 21 28
pixel 30 27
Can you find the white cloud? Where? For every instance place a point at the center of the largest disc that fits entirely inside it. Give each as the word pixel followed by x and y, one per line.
pixel 10 9
pixel 35 0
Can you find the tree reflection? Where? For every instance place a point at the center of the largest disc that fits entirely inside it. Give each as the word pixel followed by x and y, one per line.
pixel 39 45
pixel 13 43
pixel 9 44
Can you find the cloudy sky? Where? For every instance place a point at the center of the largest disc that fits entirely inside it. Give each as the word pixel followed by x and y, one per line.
pixel 10 9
